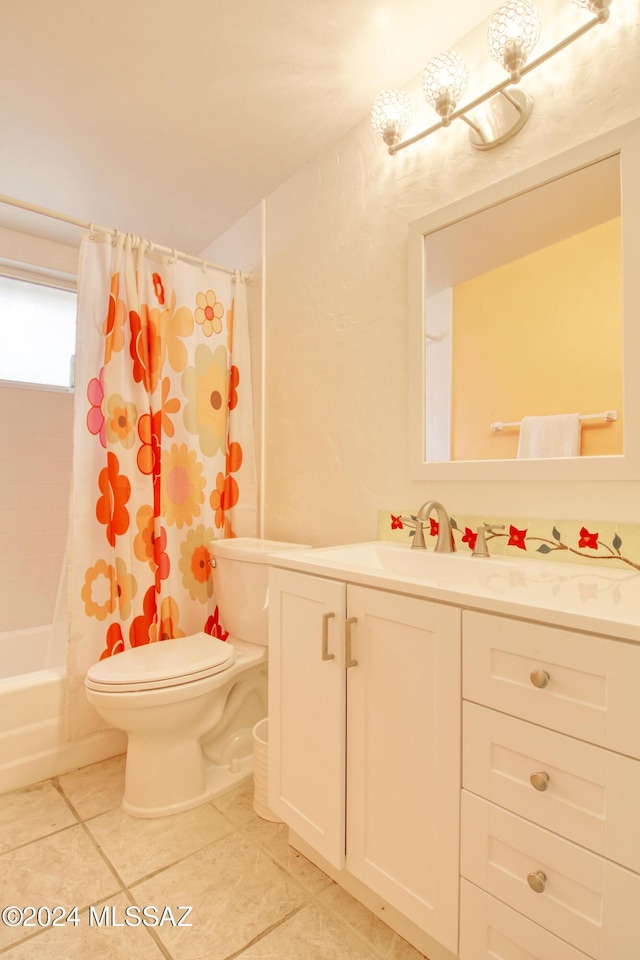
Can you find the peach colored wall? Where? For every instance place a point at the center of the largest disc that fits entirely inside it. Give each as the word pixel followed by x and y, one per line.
pixel 337 394
pixel 36 448
pixel 533 338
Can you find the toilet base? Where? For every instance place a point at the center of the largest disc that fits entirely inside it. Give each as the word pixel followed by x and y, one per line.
pixel 218 780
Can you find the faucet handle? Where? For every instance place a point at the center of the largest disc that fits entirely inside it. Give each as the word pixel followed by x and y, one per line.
pixel 480 548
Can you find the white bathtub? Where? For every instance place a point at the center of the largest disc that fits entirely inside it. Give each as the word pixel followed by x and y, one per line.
pixel 33 745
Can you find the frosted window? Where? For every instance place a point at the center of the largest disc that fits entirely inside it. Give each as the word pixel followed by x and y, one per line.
pixel 37 332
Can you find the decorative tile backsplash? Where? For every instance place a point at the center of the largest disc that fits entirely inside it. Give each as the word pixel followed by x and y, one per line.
pixel 575 541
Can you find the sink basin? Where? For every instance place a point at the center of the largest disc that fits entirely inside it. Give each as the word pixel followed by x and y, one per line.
pixel 400 560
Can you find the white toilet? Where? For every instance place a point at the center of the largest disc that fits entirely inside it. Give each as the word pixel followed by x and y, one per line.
pixel 189 705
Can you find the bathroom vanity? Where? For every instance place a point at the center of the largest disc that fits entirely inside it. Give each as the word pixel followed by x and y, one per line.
pixel 457 742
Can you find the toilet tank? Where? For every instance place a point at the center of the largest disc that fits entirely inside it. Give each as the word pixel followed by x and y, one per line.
pixel 241 578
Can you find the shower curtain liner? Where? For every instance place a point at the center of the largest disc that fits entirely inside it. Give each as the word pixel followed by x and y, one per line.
pixel 164 458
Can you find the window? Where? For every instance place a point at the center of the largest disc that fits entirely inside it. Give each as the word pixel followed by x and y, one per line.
pixel 37 332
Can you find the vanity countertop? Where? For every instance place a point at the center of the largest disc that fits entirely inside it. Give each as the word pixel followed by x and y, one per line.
pixel 596 599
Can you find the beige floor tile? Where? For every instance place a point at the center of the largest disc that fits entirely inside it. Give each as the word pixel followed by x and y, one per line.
pixel 382 939
pixel 236 892
pixel 311 934
pixel 94 790
pixel 88 940
pixel 138 847
pixel 237 804
pixel 274 839
pixel 31 813
pixel 63 869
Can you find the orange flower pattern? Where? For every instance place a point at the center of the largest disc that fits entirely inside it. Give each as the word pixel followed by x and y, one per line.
pixel 160 405
pixel 111 507
pixel 195 563
pixel 209 313
pixel 115 641
pixel 113 327
pixel 227 493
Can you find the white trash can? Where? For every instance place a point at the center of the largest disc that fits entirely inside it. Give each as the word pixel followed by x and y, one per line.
pixel 260 768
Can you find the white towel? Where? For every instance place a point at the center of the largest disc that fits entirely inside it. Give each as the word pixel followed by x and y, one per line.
pixel 556 436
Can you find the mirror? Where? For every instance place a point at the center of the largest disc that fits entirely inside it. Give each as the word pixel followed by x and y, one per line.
pixel 523 303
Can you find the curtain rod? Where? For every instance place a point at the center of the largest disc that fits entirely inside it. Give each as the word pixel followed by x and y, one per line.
pixel 87 225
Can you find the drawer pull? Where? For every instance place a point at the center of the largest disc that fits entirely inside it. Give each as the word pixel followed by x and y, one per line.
pixel 537 881
pixel 540 780
pixel 539 678
pixel 325 636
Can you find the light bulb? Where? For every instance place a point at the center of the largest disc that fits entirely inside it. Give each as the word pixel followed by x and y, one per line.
pixel 390 115
pixel 444 81
pixel 513 33
pixel 599 7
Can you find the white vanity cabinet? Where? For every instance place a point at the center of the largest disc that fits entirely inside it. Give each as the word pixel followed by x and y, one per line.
pixel 550 825
pixel 364 738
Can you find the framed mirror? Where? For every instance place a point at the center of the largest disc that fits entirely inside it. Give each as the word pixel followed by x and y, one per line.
pixel 525 304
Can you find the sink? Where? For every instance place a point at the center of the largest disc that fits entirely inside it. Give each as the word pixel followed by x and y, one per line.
pixel 571 594
pixel 380 560
pixel 398 560
pixel 401 559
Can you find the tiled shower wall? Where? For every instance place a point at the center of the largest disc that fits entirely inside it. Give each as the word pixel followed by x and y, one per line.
pixel 36 431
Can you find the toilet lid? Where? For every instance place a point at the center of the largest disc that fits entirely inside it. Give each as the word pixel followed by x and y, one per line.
pixel 164 664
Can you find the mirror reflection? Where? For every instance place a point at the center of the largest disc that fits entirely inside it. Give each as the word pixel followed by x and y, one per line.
pixel 523 323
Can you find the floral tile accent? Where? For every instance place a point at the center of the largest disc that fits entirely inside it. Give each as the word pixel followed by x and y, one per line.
pixel 574 541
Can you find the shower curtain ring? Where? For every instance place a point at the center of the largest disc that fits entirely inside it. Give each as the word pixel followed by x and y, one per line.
pixel 91 233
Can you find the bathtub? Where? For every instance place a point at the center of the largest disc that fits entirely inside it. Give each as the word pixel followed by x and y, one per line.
pixel 33 745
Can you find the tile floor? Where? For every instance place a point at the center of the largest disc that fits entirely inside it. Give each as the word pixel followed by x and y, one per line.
pixel 66 842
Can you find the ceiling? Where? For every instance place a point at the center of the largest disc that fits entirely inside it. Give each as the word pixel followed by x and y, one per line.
pixel 171 120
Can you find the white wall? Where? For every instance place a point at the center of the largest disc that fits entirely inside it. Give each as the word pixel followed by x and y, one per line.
pixel 36 451
pixel 336 295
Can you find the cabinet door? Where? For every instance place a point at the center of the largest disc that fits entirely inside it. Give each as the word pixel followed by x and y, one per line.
pixel 403 755
pixel 307 708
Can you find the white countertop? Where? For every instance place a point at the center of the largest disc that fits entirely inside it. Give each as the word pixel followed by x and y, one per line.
pixel 597 599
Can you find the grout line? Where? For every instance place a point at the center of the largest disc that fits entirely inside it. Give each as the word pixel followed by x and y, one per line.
pixel 151 931
pixel 174 863
pixel 264 933
pixel 88 833
pixel 245 832
pixel 337 915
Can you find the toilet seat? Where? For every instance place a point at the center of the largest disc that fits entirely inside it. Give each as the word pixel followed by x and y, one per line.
pixel 169 663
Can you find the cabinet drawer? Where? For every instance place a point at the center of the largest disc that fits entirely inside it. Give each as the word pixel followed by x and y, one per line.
pixel 588 684
pixel 586 900
pixel 585 793
pixel 489 930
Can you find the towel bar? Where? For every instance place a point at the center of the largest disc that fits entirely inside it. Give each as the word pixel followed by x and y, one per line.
pixel 608 415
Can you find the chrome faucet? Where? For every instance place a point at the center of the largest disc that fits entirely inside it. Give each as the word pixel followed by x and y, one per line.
pixel 445 542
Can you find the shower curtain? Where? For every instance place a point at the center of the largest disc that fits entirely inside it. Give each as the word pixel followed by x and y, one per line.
pixel 163 451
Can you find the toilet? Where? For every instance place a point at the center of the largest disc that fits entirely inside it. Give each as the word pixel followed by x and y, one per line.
pixel 189 704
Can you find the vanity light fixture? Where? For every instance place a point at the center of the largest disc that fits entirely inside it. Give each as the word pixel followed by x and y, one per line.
pixel 500 112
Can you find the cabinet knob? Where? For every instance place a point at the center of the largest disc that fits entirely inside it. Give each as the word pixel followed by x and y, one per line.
pixel 540 780
pixel 537 881
pixel 539 678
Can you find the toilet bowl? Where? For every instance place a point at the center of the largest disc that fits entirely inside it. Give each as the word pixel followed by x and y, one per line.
pixel 189 705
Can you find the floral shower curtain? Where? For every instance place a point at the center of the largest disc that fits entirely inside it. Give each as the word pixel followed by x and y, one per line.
pixel 163 451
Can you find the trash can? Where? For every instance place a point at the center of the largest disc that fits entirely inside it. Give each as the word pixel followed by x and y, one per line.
pixel 260 768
